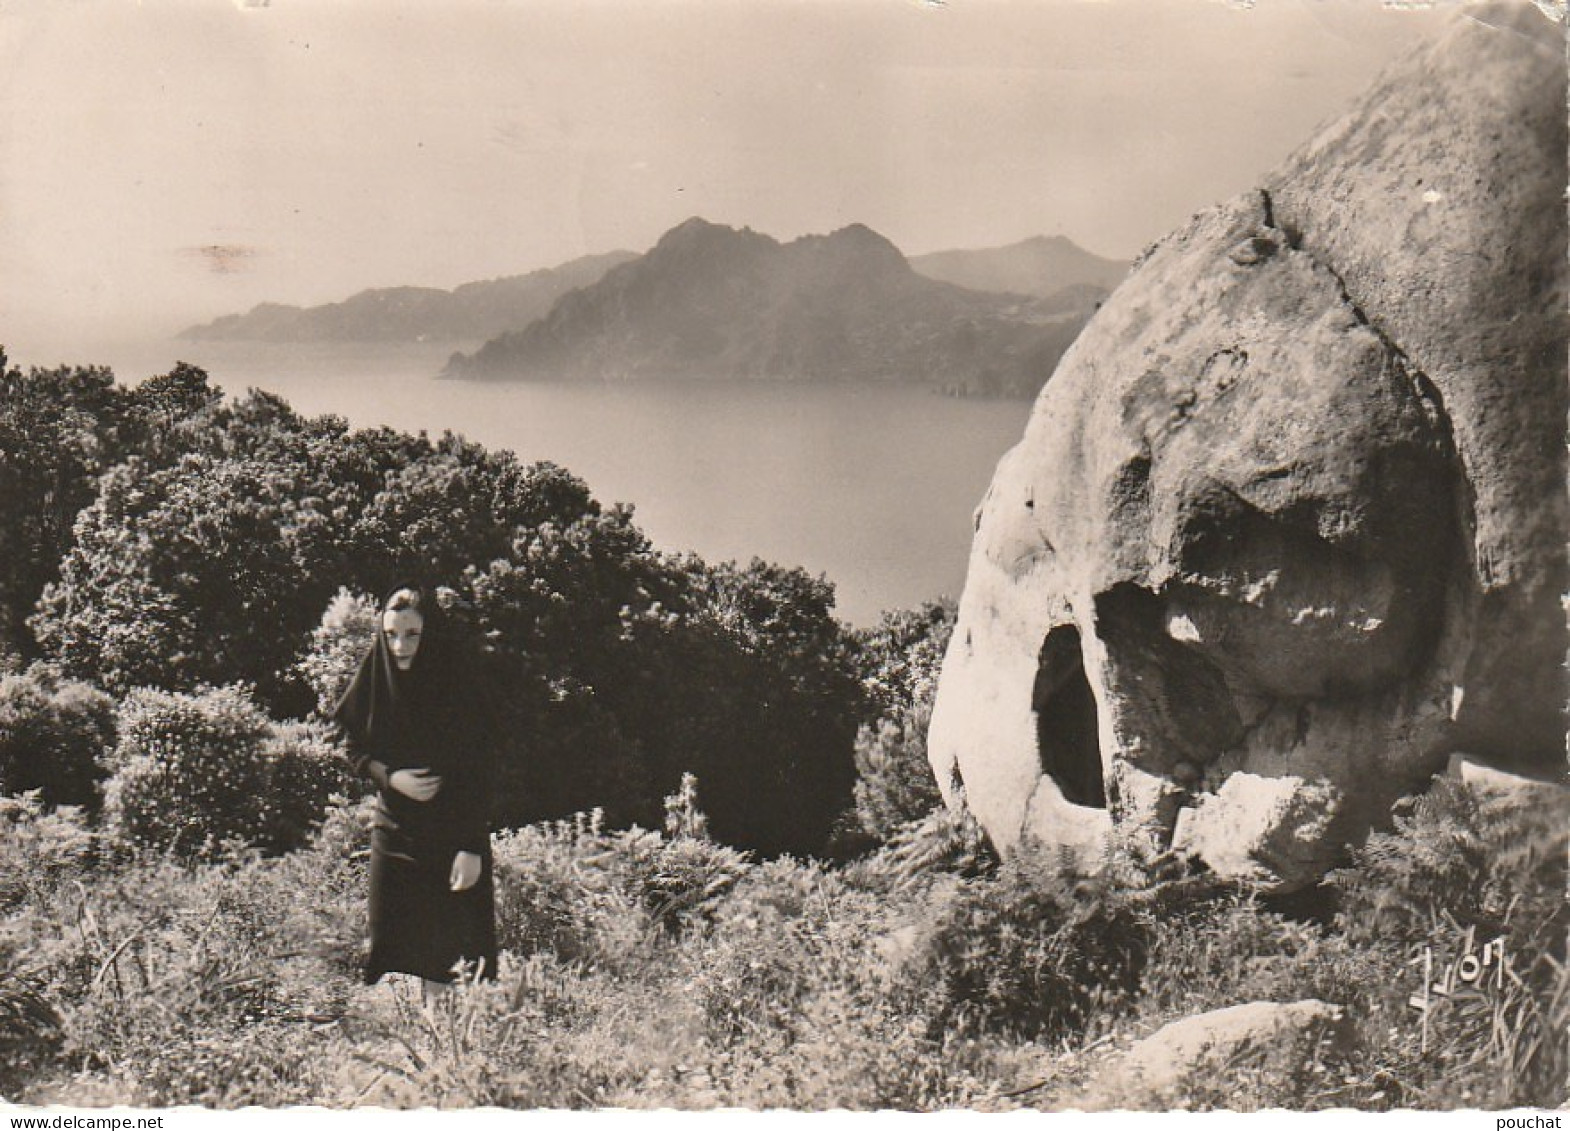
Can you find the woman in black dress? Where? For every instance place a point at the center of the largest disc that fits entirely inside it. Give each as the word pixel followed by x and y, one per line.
pixel 413 728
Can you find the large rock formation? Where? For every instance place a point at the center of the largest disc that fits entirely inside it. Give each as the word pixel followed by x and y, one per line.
pixel 1288 524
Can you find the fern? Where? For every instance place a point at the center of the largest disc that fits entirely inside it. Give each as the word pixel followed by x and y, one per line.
pixel 1459 864
pixel 1485 863
pixel 944 842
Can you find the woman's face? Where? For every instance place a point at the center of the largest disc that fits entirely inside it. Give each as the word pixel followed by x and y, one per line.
pixel 402 628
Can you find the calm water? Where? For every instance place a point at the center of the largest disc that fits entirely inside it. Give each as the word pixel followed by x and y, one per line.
pixel 874 488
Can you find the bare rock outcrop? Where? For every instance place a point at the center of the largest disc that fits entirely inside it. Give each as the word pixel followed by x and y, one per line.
pixel 1288 524
pixel 1210 1049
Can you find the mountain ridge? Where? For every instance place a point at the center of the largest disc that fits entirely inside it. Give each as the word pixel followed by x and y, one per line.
pixel 714 302
pixel 1040 266
pixel 469 312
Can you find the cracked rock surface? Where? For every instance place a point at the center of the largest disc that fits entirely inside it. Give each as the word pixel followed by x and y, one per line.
pixel 1287 526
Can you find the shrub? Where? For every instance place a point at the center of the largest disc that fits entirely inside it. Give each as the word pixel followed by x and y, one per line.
pixel 1030 952
pixel 787 932
pixel 202 983
pixel 29 1031
pixel 193 772
pixel 894 781
pixel 1493 863
pixel 38 849
pixel 184 985
pixel 777 759
pixel 944 842
pixel 303 773
pixel 681 881
pixel 172 565
pixel 337 645
pixel 574 890
pixel 901 659
pixel 557 894
pixel 189 770
pixel 54 734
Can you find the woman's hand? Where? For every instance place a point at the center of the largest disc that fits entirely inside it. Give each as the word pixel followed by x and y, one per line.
pixel 465 871
pixel 419 784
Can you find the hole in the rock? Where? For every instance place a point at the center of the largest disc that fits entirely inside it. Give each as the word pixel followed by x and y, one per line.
pixel 1067 738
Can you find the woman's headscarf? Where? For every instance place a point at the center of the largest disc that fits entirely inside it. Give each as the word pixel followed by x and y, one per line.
pixel 399 715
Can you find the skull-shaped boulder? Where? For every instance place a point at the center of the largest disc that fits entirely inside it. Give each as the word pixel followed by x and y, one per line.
pixel 1288 524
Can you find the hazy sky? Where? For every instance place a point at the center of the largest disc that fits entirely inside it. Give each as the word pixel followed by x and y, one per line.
pixel 325 147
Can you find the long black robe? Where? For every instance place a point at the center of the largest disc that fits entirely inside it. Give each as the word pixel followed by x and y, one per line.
pixel 427 717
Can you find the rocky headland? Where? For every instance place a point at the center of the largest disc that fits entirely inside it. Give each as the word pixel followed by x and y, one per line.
pixel 710 302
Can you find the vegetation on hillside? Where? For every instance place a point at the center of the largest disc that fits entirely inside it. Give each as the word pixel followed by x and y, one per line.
pixel 661 969
pixel 168 538
pixel 725 878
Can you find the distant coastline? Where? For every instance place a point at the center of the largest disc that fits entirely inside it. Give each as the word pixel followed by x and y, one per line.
pixel 713 303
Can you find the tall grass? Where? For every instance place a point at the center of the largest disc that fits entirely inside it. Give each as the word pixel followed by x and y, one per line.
pixel 659 969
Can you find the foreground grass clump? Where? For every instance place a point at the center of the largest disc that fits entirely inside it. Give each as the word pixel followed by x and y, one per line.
pixel 658 969
pixel 1457 871
pixel 1466 877
pixel 184 982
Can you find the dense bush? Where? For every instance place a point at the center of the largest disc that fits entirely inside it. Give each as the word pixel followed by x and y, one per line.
pixel 59 429
pixel 240 531
pixel 188 771
pixel 894 782
pixel 789 931
pixel 196 984
pixel 194 771
pixel 553 898
pixel 555 614
pixel 778 771
pixel 584 894
pixel 902 659
pixel 945 842
pixel 30 1033
pixel 1493 862
pixel 1031 952
pixel 303 773
pixel 54 736
pixel 209 536
pixel 742 677
pixel 338 645
pixel 40 848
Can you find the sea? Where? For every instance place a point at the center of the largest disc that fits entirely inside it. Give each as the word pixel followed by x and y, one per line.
pixel 874 488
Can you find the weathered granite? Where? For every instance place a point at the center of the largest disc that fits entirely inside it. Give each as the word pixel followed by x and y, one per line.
pixel 1288 524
